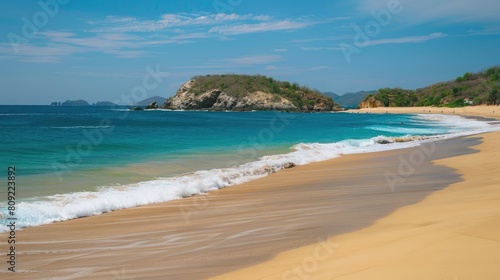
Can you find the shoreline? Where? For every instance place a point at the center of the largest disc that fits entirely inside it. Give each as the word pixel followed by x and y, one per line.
pixel 470 111
pixel 203 236
pixel 236 227
pixel 454 233
pixel 99 182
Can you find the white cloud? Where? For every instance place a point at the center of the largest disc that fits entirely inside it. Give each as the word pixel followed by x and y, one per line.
pixel 259 27
pixel 405 40
pixel 54 46
pixel 129 24
pixel 113 19
pixel 443 10
pixel 492 30
pixel 46 53
pixel 132 37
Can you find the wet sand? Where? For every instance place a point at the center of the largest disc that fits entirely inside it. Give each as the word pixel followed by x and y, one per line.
pixel 236 227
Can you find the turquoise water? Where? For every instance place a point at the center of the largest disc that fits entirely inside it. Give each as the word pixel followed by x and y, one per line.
pixel 64 154
pixel 42 139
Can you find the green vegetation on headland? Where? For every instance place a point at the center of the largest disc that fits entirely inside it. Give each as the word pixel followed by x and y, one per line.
pixel 481 88
pixel 247 92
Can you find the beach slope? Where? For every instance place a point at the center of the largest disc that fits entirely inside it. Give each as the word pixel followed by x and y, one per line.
pixel 452 234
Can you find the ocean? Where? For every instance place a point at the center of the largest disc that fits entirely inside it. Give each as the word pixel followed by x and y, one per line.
pixel 73 162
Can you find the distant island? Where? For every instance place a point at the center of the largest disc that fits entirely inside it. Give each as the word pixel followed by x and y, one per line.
pixel 81 102
pixel 349 100
pixel 481 88
pixel 104 104
pixel 151 100
pixel 245 93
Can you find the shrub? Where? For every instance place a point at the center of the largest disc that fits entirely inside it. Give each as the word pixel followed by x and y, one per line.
pixel 494 96
pixel 457 103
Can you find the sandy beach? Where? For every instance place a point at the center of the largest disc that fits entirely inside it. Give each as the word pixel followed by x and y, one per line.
pixel 452 234
pixel 429 212
pixel 471 111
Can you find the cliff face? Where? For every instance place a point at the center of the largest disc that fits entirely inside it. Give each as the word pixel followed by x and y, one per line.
pixel 218 99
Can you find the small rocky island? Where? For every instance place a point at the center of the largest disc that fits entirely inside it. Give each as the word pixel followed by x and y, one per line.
pixel 246 93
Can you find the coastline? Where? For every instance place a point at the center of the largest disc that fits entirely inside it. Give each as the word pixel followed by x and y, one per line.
pixel 451 234
pixel 237 227
pixel 470 111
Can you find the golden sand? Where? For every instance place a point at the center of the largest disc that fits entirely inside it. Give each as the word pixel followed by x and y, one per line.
pixel 472 111
pixel 453 234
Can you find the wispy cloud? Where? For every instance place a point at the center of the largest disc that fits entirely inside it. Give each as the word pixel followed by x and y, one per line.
pixel 103 41
pixel 168 21
pixel 46 53
pixel 487 31
pixel 54 46
pixel 406 40
pixel 260 27
pixel 100 74
pixel 132 37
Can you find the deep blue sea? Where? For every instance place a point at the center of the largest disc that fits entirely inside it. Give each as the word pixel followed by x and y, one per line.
pixel 80 161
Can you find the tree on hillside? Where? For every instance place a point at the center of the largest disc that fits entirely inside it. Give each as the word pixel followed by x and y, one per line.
pixel 494 96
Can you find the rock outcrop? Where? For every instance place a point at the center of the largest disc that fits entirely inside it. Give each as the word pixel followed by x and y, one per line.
pixel 371 102
pixel 153 105
pixel 218 99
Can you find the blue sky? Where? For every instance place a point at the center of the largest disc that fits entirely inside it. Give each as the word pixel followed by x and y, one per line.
pixel 54 50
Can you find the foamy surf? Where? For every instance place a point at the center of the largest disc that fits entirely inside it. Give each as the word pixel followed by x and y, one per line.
pixel 63 207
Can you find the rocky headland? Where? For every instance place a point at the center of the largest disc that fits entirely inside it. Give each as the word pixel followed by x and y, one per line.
pixel 482 88
pixel 247 93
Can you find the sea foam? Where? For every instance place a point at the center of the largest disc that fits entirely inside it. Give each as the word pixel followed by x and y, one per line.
pixel 63 207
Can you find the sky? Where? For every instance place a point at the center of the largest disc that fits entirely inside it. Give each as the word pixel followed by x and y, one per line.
pixel 128 50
